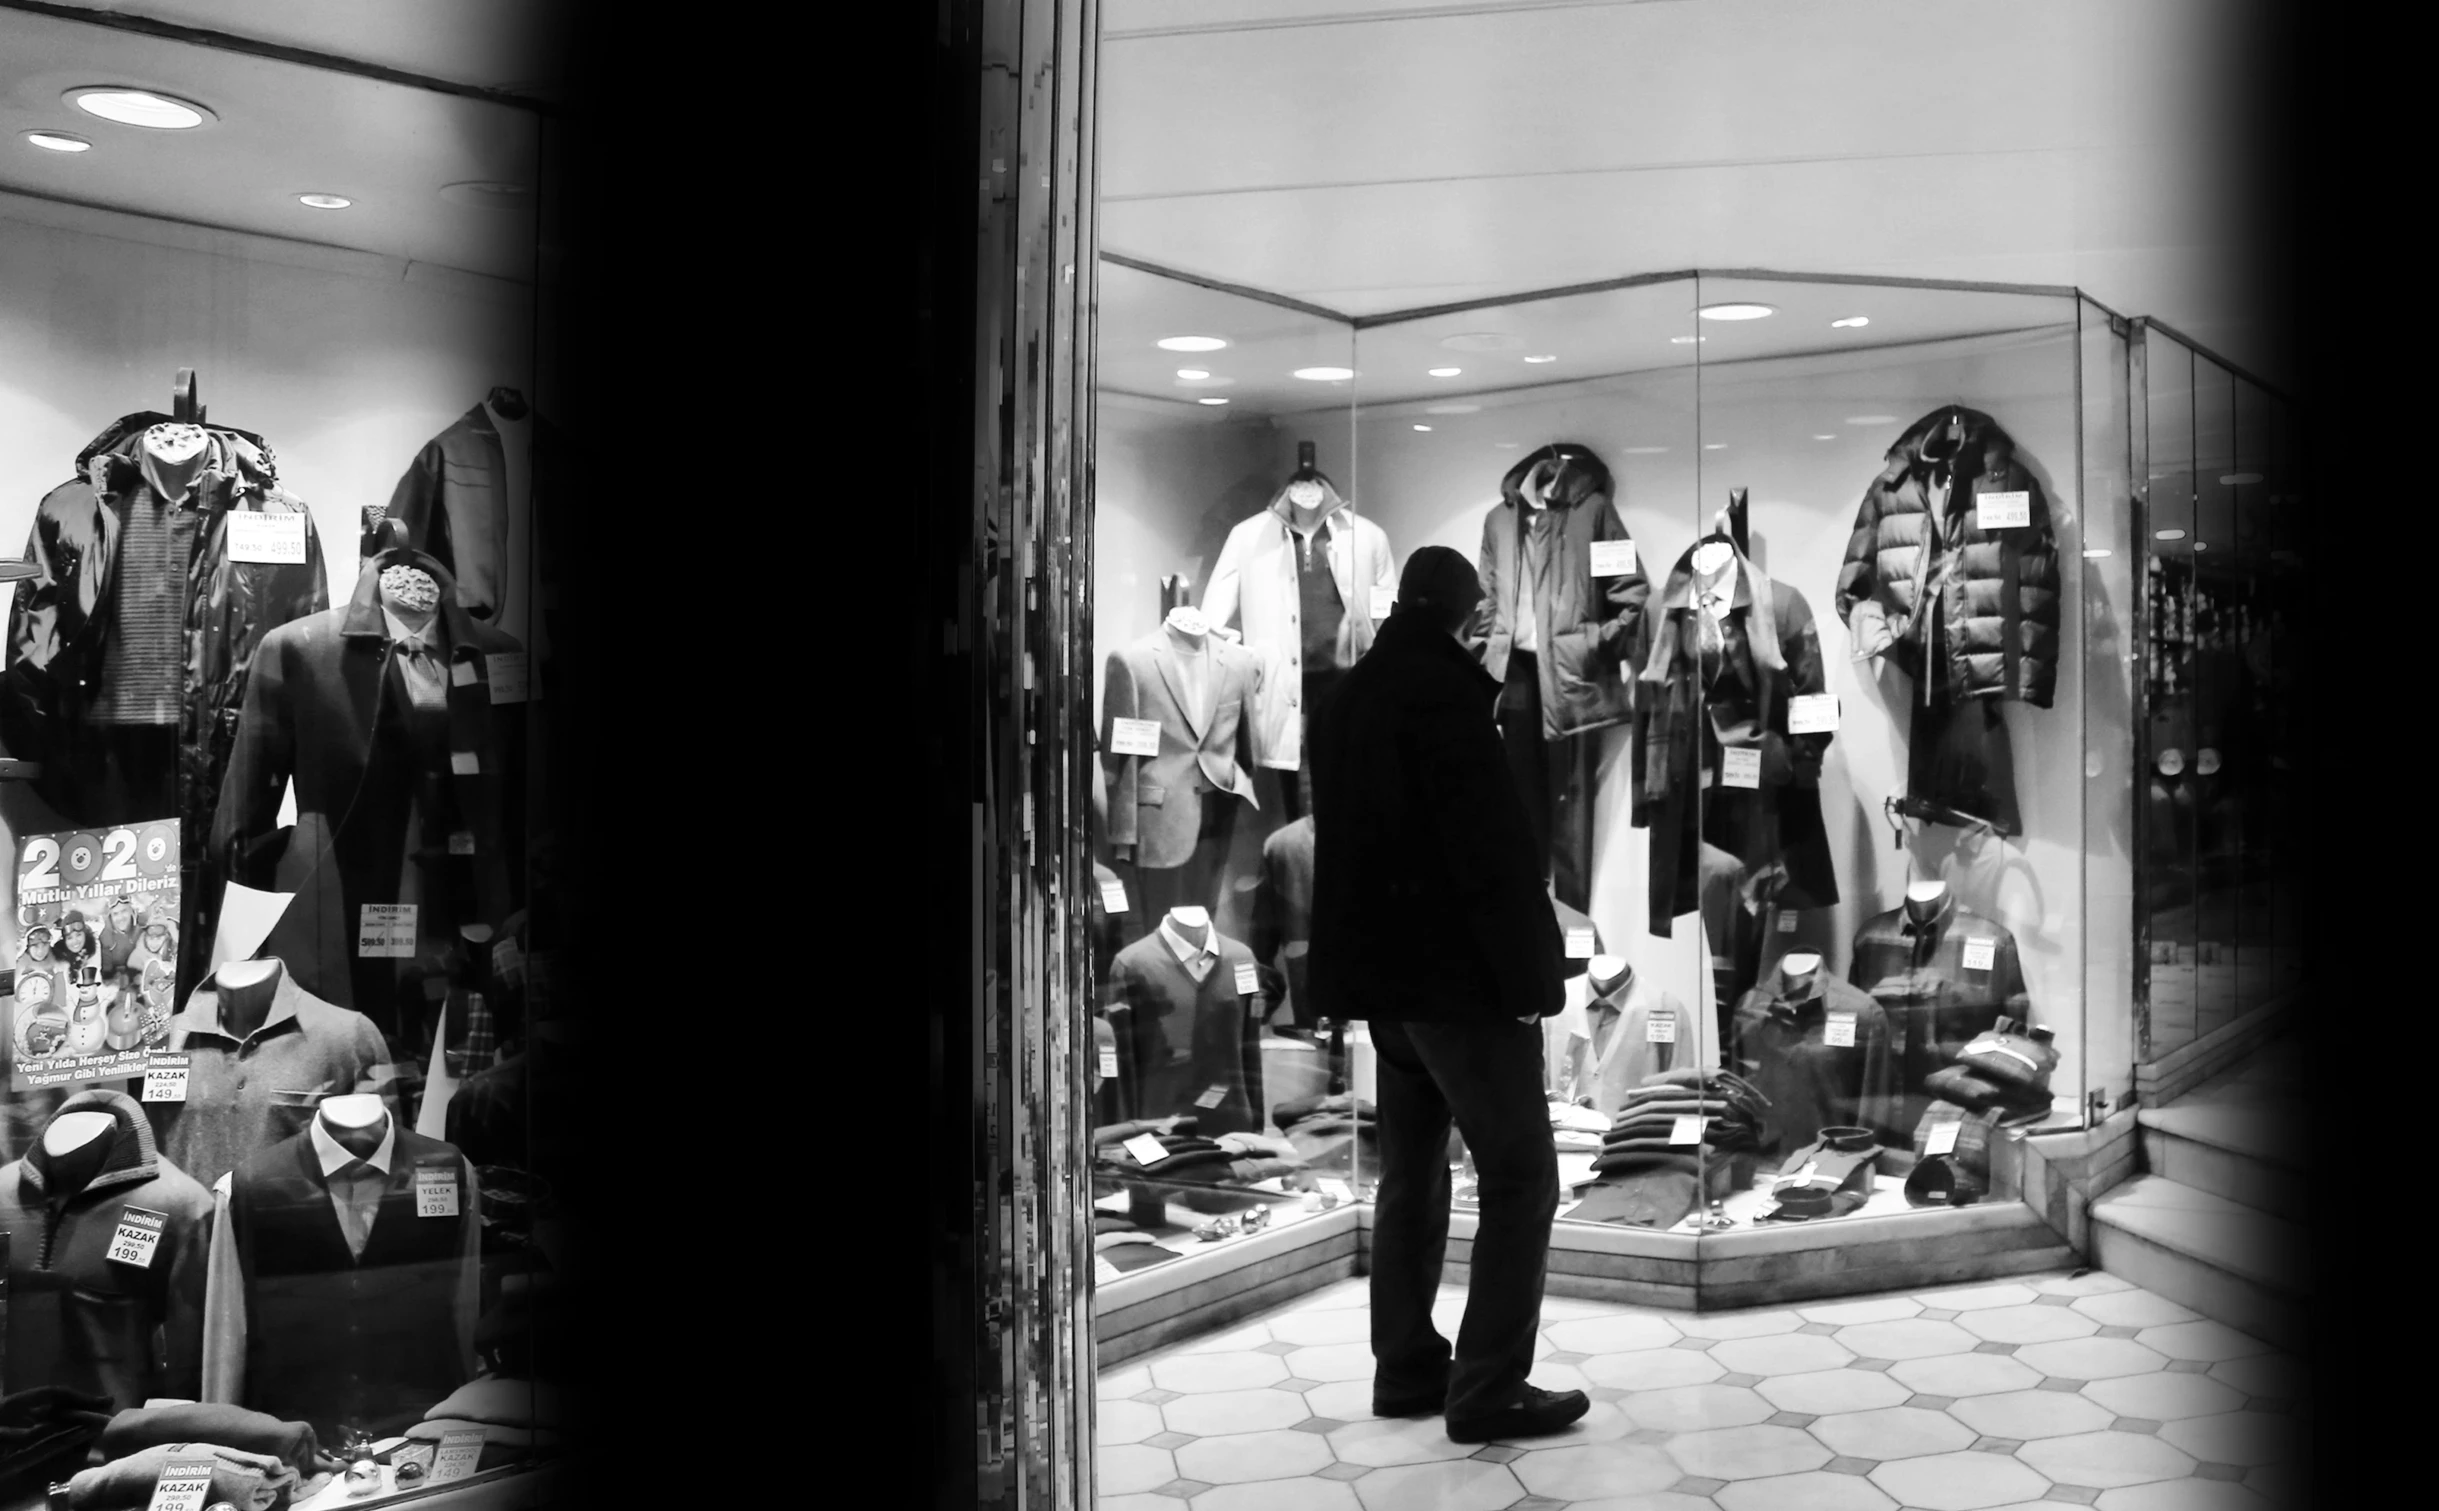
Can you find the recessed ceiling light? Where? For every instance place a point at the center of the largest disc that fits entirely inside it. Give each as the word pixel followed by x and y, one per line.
pixel 325 201
pixel 1482 341
pixel 139 107
pixel 1544 357
pixel 1446 372
pixel 1424 428
pixel 58 141
pixel 2201 545
pixel 1714 445
pixel 1824 437
pixel 1686 340
pixel 1190 343
pixel 1325 374
pixel 1737 311
pixel 1192 374
pixel 2167 535
pixel 1210 401
pixel 1504 445
pixel 2095 553
pixel 1452 409
pixel 2238 479
pixel 1643 450
pixel 485 194
pixel 1851 322
pixel 1871 419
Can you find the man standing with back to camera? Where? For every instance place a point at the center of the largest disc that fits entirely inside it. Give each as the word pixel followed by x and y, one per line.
pixel 1430 921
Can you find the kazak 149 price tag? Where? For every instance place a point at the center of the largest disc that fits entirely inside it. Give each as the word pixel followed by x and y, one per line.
pixel 181 1485
pixel 1579 944
pixel 137 1237
pixel 435 1191
pixel 1660 1028
pixel 1740 766
pixel 2003 511
pixel 1248 979
pixel 1812 714
pixel 1613 558
pixel 508 674
pixel 1941 1139
pixel 1135 737
pixel 386 931
pixel 1980 953
pixel 270 539
pixel 1146 1149
pixel 461 1449
pixel 1113 897
pixel 1383 600
pixel 1839 1031
pixel 165 1076
pixel 1687 1129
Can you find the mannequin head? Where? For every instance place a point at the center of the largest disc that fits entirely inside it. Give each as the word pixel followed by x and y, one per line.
pixel 1713 557
pixel 1187 622
pixel 1306 494
pixel 171 456
pixel 409 590
pixel 1924 898
pixel 1800 964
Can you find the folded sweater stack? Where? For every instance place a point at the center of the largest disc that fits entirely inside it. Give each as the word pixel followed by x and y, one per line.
pixel 1734 1119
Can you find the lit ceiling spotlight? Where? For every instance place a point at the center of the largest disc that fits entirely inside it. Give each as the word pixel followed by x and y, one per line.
pixel 1210 401
pixel 1686 340
pixel 1192 374
pixel 1871 419
pixel 1452 409
pixel 1850 323
pixel 1446 372
pixel 1824 437
pixel 58 141
pixel 2201 545
pixel 1644 450
pixel 1324 374
pixel 2239 479
pixel 1424 428
pixel 1737 311
pixel 1190 343
pixel 2167 535
pixel 1544 357
pixel 325 201
pixel 1714 445
pixel 2095 553
pixel 139 107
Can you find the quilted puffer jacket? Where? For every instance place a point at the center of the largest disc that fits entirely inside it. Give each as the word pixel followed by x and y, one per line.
pixel 1995 634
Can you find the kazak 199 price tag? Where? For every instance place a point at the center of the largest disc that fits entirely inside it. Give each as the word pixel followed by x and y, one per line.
pixel 1839 1032
pixel 1740 766
pixel 271 539
pixel 165 1076
pixel 1579 944
pixel 1660 1028
pixel 1135 737
pixel 508 674
pixel 1383 600
pixel 1248 979
pixel 1941 1139
pixel 1613 558
pixel 1113 897
pixel 137 1237
pixel 181 1485
pixel 1687 1129
pixel 2003 511
pixel 1146 1149
pixel 386 931
pixel 1979 953
pixel 435 1191
pixel 460 1450
pixel 1812 714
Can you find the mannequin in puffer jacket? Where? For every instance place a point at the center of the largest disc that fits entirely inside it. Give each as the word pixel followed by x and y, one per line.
pixel 1968 611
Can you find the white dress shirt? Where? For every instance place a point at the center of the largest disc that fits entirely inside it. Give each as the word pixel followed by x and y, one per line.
pixel 1197 959
pixel 356 1183
pixel 420 659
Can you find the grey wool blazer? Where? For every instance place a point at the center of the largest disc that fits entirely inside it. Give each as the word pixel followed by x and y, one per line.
pixel 1156 802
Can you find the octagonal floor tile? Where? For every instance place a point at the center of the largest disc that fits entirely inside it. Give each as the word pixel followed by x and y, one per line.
pixel 1812 1491
pixel 1653 1368
pixel 1287 1495
pixel 1231 1341
pixel 1460 1485
pixel 1387 1443
pixel 1131 1466
pixel 1341 1400
pixel 1786 1354
pixel 2089 1283
pixel 2281 1375
pixel 1892 1432
pixel 1215 1413
pixel 2184 1495
pixel 1194 1373
pixel 2029 1415
pixel 1346 1293
pixel 1628 1333
pixel 1245 1456
pixel 1327 1362
pixel 1966 1481
pixel 2028 1324
pixel 1658 1500
pixel 1978 1297
pixel 1878 1309
pixel 2211 1341
pixel 2133 1309
pixel 1746 1453
pixel 1691 1408
pixel 1134 1379
pixel 2090 1358
pixel 1343 1325
pixel 1964 1374
pixel 2107 1458
pixel 2165 1397
pixel 2237 1437
pixel 1909 1338
pixel 1752 1324
pixel 1142 1500
pixel 1826 1390
pixel 1597 1469
pixel 1130 1421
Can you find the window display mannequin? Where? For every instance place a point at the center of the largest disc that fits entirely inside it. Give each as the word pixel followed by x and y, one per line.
pixel 409 790
pixel 1283 913
pixel 1561 627
pixel 343 1281
pixel 1823 1053
pixel 1967 608
pixel 1189 1034
pixel 129 649
pixel 472 500
pixel 1943 973
pixel 77 1318
pixel 1171 814
pixel 1615 1030
pixel 1306 582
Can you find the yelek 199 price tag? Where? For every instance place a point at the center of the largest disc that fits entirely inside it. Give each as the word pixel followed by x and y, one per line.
pixel 1613 558
pixel 386 931
pixel 435 1191
pixel 1812 714
pixel 461 1449
pixel 137 1237
pixel 1135 737
pixel 181 1485
pixel 165 1076
pixel 1839 1031
pixel 1687 1129
pixel 1660 1028
pixel 1579 944
pixel 1941 1139
pixel 1980 953
pixel 2003 511
pixel 271 539
pixel 1146 1149
pixel 1740 766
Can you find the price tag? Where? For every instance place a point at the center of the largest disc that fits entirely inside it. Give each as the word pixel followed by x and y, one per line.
pixel 165 1076
pixel 1104 1271
pixel 1579 944
pixel 465 762
pixel 1146 1149
pixel 1113 897
pixel 460 1451
pixel 137 1237
pixel 2003 511
pixel 1687 1129
pixel 1660 1028
pixel 1979 953
pixel 1740 766
pixel 1839 1032
pixel 461 842
pixel 181 1485
pixel 386 931
pixel 1109 1065
pixel 1613 558
pixel 1383 600
pixel 508 673
pixel 1812 714
pixel 1213 1097
pixel 1248 979
pixel 1787 922
pixel 435 1191
pixel 271 539
pixel 1135 737
pixel 1941 1139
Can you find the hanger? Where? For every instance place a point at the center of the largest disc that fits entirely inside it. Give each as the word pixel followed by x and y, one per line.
pixel 1306 472
pixel 508 401
pixel 185 398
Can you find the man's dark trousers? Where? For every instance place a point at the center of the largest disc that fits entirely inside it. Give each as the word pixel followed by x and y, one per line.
pixel 1486 1075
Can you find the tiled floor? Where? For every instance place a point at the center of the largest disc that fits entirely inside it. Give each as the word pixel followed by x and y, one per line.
pixel 1997 1396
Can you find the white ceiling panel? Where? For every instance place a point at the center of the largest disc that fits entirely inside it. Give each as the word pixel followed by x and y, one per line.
pixel 513 45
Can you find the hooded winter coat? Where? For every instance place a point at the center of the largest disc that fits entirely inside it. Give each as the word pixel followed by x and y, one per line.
pixel 1995 632
pixel 1590 629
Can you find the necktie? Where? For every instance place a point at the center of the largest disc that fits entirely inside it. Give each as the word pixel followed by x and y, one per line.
pixel 422 672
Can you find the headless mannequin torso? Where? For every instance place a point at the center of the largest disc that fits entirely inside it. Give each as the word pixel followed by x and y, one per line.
pixel 245 988
pixel 1924 899
pixel 357 1121
pixel 75 1147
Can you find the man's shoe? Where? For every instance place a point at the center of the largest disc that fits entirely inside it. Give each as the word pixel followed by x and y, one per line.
pixel 1410 1406
pixel 1539 1413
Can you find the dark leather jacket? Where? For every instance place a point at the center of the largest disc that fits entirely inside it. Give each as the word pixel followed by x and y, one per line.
pixel 1589 629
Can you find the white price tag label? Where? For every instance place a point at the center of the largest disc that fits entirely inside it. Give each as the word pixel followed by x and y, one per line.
pixel 1941 1139
pixel 460 1451
pixel 1812 714
pixel 1980 953
pixel 465 763
pixel 1109 1065
pixel 1839 1031
pixel 1660 1028
pixel 1740 766
pixel 1579 944
pixel 1113 897
pixel 1687 1129
pixel 165 1076
pixel 137 1237
pixel 435 1191
pixel 1146 1149
pixel 1786 923
pixel 1613 558
pixel 181 1485
pixel 1383 600
pixel 271 539
pixel 386 931
pixel 1248 979
pixel 2003 511
pixel 1135 737
pixel 508 673
pixel 1212 1097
